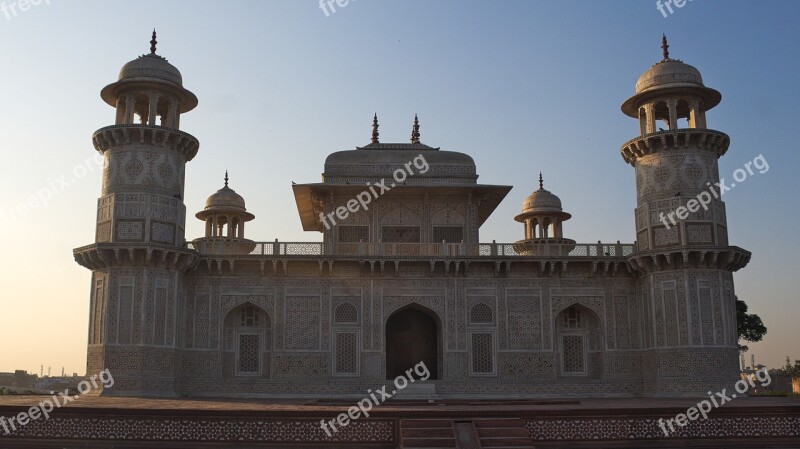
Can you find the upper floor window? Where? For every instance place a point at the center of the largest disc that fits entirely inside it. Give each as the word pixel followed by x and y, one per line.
pixel 480 314
pixel 400 234
pixel 572 318
pixel 353 234
pixel 248 317
pixel 449 234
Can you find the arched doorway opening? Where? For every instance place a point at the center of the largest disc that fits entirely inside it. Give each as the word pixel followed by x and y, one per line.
pixel 412 336
pixel 579 342
pixel 248 341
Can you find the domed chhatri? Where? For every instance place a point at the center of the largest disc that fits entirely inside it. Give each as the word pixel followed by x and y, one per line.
pixel 543 216
pixel 670 76
pixel 150 72
pixel 225 215
pixel 225 199
pixel 669 73
pixel 540 201
pixel 670 103
pixel 150 67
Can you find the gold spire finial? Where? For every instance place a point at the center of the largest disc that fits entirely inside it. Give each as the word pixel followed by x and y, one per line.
pixel 226 178
pixel 415 130
pixel 664 47
pixel 153 43
pixel 541 181
pixel 375 133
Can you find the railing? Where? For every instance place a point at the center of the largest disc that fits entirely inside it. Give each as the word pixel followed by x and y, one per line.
pixel 676 131
pixel 708 139
pixel 105 138
pixel 381 249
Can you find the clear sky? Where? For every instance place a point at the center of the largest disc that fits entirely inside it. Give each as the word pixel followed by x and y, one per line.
pixel 521 86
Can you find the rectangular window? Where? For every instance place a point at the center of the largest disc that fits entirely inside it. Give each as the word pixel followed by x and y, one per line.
pixel 482 353
pixel 400 234
pixel 346 351
pixel 450 234
pixel 353 234
pixel 573 355
pixel 248 354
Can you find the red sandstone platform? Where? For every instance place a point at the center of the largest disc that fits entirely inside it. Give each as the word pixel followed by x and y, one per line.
pixel 113 422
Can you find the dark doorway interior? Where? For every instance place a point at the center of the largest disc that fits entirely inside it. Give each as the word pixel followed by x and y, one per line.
pixel 411 337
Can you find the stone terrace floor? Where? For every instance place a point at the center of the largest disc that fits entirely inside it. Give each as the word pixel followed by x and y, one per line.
pixel 316 406
pixel 744 422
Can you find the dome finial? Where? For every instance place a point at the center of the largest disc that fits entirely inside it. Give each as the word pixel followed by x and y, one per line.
pixel 375 133
pixel 153 43
pixel 664 47
pixel 541 181
pixel 415 130
pixel 226 178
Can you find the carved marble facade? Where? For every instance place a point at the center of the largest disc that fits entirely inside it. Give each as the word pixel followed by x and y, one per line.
pixel 223 315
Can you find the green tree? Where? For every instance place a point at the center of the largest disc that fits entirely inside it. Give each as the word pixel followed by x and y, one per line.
pixel 793 371
pixel 788 370
pixel 749 325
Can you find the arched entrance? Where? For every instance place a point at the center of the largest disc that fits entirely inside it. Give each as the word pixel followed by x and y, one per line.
pixel 412 336
pixel 248 341
pixel 579 341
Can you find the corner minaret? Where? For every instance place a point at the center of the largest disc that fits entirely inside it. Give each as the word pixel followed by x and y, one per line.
pixel 683 257
pixel 675 157
pixel 139 258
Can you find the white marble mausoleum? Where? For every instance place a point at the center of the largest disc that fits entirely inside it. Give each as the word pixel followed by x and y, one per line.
pixel 408 279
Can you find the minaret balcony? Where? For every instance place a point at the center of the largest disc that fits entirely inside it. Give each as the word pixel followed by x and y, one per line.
pixel 132 134
pixel 103 255
pixel 675 139
pixel 728 258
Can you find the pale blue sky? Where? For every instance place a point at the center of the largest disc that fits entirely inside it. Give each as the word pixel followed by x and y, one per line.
pixel 521 86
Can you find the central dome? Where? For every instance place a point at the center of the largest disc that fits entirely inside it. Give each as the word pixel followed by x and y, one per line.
pixel 150 67
pixel 380 160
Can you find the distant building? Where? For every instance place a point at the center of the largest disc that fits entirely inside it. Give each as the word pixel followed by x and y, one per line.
pixel 58 383
pixel 22 379
pixel 407 279
pixel 778 383
pixel 6 379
